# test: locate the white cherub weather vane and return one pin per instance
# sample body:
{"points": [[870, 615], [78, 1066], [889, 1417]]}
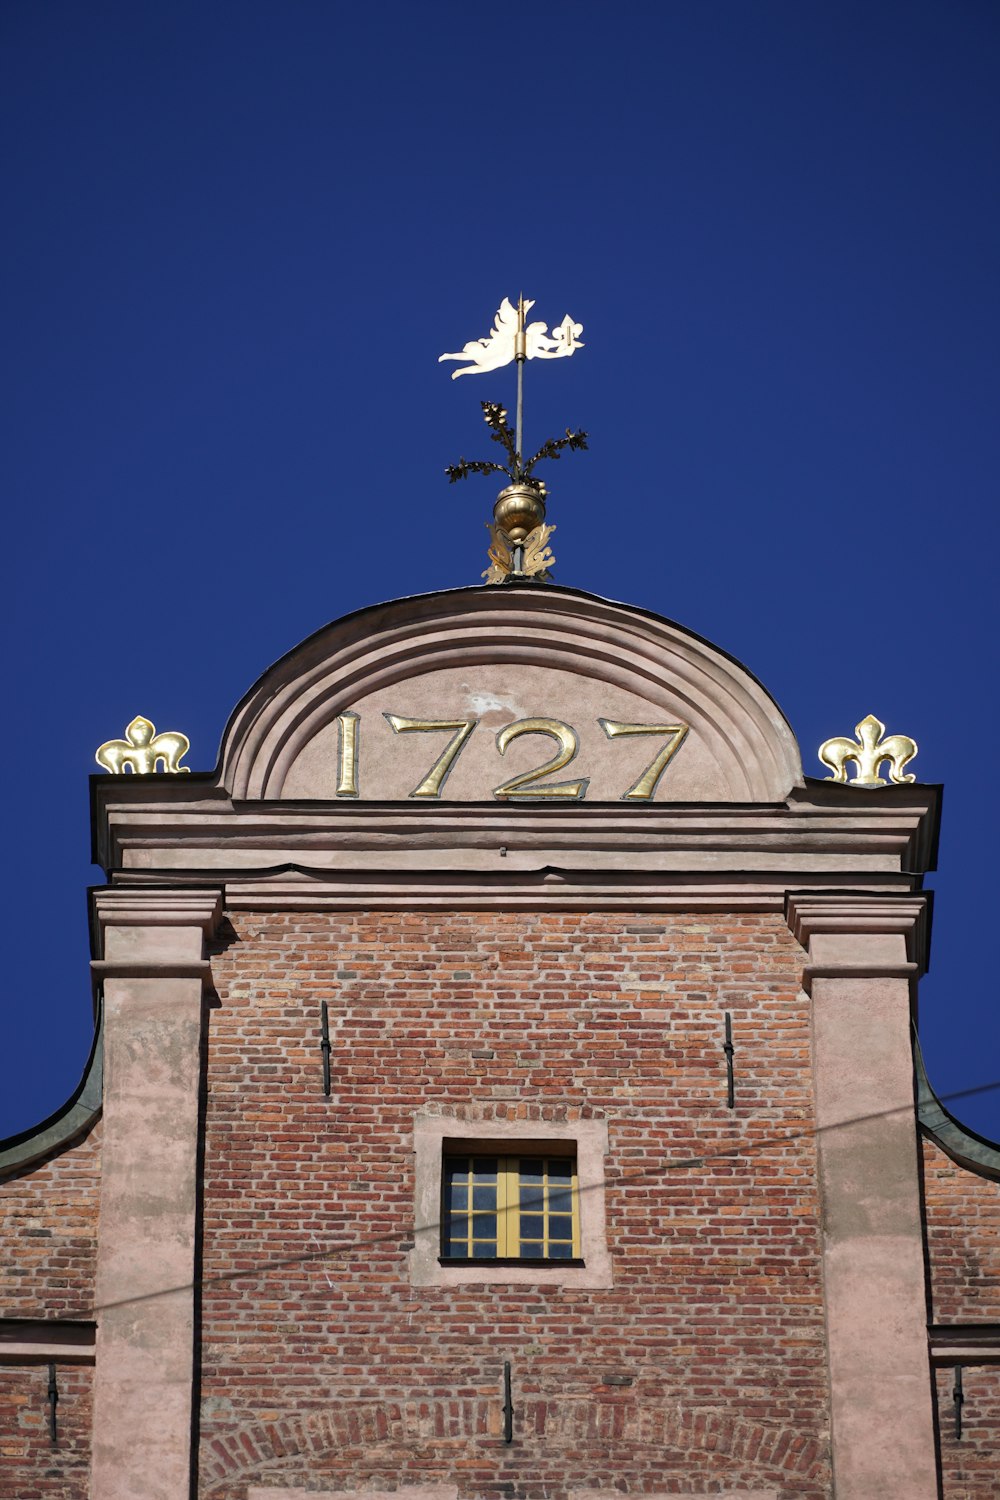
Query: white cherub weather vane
{"points": [[519, 539], [509, 337]]}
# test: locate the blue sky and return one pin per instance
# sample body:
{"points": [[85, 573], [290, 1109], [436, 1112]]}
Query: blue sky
{"points": [[237, 236]]}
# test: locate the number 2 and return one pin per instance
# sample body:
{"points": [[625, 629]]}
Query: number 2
{"points": [[527, 784]]}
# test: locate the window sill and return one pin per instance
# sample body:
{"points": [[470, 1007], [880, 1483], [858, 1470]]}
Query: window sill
{"points": [[527, 1261]]}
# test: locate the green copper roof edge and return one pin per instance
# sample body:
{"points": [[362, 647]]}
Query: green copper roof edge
{"points": [[964, 1146], [67, 1124]]}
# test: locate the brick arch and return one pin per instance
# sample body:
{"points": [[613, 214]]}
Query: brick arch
{"points": [[559, 629], [260, 1450]]}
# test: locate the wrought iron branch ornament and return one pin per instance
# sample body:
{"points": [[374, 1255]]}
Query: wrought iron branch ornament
{"points": [[518, 472], [519, 539], [868, 753]]}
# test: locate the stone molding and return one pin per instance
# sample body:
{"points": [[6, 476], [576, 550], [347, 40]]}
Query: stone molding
{"points": [[964, 1343], [160, 825], [160, 907], [967, 1149], [296, 888], [853, 913], [103, 969], [66, 1125], [39, 1341], [561, 629], [860, 934]]}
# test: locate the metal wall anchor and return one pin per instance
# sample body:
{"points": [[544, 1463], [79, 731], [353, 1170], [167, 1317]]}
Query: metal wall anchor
{"points": [[728, 1049]]}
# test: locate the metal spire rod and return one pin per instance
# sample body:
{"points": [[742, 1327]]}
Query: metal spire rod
{"points": [[520, 355]]}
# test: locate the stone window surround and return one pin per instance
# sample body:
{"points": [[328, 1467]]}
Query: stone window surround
{"points": [[431, 1135]]}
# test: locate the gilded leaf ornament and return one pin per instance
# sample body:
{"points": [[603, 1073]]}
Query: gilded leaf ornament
{"points": [[868, 753], [535, 554], [142, 748]]}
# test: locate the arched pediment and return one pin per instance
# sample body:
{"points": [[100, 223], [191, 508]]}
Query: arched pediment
{"points": [[492, 658]]}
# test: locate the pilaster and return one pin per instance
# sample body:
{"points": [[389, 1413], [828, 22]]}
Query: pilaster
{"points": [[154, 971], [864, 953]]}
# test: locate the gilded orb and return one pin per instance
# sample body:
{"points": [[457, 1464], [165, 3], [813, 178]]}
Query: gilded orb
{"points": [[518, 510]]}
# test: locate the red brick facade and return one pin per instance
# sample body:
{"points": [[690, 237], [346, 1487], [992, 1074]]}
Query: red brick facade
{"points": [[963, 1241], [963, 1247], [31, 1466], [322, 1359], [49, 1218]]}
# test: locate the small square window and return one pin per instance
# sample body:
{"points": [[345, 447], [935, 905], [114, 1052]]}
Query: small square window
{"points": [[523, 1204], [510, 1208]]}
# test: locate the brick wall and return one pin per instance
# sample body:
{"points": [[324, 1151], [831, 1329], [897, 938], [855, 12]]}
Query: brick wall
{"points": [[48, 1250], [31, 1468], [48, 1234], [970, 1466], [963, 1247], [963, 1240], [322, 1365]]}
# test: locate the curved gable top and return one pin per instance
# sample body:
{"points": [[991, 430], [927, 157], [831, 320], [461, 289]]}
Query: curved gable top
{"points": [[493, 657]]}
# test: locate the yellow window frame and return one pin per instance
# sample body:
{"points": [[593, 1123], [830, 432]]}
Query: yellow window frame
{"points": [[508, 1204]]}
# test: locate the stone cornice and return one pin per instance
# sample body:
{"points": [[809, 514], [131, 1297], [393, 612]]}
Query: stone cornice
{"points": [[162, 822], [545, 888]]}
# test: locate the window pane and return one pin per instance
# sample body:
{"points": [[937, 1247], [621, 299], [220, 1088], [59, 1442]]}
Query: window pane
{"points": [[542, 1208]]}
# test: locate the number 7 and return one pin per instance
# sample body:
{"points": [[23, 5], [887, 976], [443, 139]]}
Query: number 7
{"points": [[645, 788], [437, 775]]}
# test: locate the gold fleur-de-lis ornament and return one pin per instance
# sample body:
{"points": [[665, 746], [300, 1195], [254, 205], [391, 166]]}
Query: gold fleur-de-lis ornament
{"points": [[868, 753], [142, 748]]}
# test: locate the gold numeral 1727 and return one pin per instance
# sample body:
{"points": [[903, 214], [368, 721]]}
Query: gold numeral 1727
{"points": [[643, 789]]}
